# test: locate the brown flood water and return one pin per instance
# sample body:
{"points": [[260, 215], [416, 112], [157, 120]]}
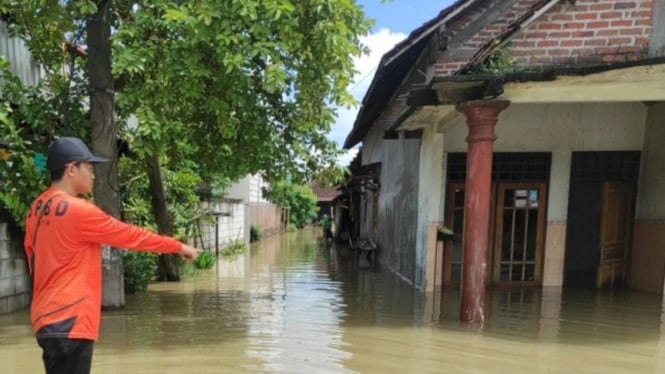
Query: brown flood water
{"points": [[293, 306]]}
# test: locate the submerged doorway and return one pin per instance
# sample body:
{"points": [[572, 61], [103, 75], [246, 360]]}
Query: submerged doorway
{"points": [[517, 228], [600, 218]]}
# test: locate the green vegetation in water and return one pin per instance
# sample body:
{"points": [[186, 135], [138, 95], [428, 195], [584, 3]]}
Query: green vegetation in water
{"points": [[255, 234], [291, 228], [188, 269], [446, 231], [205, 260], [139, 269], [234, 249]]}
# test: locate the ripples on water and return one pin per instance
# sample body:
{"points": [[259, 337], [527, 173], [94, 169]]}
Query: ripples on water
{"points": [[292, 305]]}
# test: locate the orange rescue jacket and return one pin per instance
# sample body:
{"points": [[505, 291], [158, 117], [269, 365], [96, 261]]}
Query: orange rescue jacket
{"points": [[65, 262]]}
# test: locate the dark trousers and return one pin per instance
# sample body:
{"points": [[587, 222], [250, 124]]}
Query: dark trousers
{"points": [[66, 356]]}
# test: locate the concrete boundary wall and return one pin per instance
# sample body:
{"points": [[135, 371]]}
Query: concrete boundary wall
{"points": [[14, 278], [268, 217]]}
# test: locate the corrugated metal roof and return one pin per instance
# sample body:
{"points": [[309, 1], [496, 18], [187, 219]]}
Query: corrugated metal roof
{"points": [[13, 49]]}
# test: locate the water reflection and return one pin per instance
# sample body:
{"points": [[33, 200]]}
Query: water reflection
{"points": [[296, 305]]}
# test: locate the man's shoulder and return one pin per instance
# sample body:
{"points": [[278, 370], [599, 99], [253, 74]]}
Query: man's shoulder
{"points": [[80, 203]]}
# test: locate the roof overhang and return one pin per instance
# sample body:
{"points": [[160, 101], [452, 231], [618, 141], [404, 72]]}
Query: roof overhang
{"points": [[640, 81], [395, 65]]}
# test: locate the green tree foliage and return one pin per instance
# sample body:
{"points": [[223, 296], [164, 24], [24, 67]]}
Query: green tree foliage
{"points": [[240, 86], [220, 89], [181, 182], [300, 200], [30, 117], [235, 87]]}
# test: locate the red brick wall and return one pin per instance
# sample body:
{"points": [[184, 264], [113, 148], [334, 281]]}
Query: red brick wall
{"points": [[448, 66], [589, 32]]}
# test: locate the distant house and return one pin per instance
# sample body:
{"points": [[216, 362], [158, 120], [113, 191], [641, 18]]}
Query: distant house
{"points": [[533, 129], [262, 214], [324, 198]]}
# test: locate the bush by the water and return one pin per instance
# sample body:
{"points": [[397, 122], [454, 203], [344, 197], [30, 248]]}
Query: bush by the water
{"points": [[254, 233], [140, 269], [299, 199], [234, 249], [205, 260], [291, 228]]}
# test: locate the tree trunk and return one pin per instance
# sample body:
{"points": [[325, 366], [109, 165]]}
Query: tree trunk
{"points": [[104, 143], [168, 264]]}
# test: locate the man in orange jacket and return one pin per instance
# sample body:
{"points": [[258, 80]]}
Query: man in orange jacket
{"points": [[64, 234]]}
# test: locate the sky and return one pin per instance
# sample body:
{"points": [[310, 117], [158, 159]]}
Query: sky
{"points": [[394, 20]]}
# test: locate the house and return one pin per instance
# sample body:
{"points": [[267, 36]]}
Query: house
{"points": [[14, 277], [260, 212], [532, 129], [324, 199]]}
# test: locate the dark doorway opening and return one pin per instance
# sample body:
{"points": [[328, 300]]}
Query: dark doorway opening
{"points": [[598, 233]]}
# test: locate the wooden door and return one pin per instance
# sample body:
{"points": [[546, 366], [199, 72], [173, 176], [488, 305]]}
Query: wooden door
{"points": [[519, 234], [454, 219], [615, 234], [452, 251]]}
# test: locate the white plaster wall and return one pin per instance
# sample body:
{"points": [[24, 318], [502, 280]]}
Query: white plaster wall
{"points": [[560, 129], [231, 228], [248, 189], [256, 184], [430, 194], [239, 190]]}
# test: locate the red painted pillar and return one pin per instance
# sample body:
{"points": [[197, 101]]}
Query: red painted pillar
{"points": [[481, 116]]}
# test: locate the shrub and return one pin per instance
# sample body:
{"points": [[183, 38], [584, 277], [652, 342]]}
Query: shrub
{"points": [[140, 269], [234, 249], [300, 200], [205, 260], [291, 227], [254, 234]]}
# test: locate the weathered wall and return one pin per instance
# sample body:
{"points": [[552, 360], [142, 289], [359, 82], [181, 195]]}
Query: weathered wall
{"points": [[14, 278], [649, 236], [266, 216], [398, 206], [430, 198], [560, 129]]}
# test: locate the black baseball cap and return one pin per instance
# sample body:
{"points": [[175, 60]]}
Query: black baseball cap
{"points": [[68, 149]]}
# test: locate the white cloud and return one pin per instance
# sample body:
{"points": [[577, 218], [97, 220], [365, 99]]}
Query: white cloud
{"points": [[378, 43], [348, 156]]}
